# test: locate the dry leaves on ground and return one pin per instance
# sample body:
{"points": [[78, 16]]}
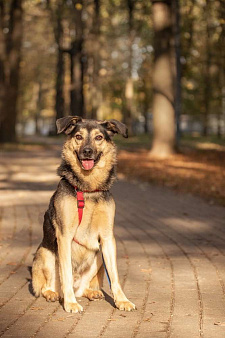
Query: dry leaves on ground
{"points": [[201, 172]]}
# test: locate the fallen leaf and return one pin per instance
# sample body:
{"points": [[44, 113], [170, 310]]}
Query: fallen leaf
{"points": [[146, 270], [219, 323], [147, 319], [12, 263], [35, 308], [122, 315]]}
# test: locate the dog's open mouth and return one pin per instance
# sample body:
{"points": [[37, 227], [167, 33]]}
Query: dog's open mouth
{"points": [[87, 164]]}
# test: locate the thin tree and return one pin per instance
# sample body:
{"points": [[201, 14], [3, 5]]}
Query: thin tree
{"points": [[206, 75], [96, 60], [221, 110], [163, 93], [56, 17], [177, 77], [59, 102], [77, 63], [129, 90], [11, 16]]}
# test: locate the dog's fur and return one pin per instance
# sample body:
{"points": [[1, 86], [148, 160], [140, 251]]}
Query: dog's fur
{"points": [[66, 268]]}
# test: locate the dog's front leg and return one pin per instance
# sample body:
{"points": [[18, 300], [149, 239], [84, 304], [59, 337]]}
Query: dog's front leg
{"points": [[66, 276], [109, 253]]}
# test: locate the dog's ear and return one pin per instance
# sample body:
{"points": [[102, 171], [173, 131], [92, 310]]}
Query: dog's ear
{"points": [[115, 127], [67, 124]]}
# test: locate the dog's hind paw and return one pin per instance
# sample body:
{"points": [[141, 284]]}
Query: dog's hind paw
{"points": [[73, 307], [125, 305], [94, 294], [50, 296]]}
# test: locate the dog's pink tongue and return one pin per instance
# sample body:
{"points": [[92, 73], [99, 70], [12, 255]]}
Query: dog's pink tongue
{"points": [[88, 164]]}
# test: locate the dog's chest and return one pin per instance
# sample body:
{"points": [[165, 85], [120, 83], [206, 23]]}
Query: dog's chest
{"points": [[87, 232]]}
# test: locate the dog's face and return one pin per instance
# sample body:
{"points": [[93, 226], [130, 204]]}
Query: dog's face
{"points": [[90, 139]]}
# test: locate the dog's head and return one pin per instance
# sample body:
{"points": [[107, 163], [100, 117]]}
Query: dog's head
{"points": [[90, 140]]}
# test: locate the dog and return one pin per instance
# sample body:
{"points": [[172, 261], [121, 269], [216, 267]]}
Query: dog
{"points": [[77, 238]]}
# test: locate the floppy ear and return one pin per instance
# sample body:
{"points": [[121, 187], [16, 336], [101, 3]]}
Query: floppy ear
{"points": [[115, 127], [67, 124]]}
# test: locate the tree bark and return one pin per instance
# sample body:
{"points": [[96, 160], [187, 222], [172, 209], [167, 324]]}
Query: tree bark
{"points": [[77, 65], [96, 60], [59, 100], [129, 90], [177, 79], [222, 71], [9, 71], [2, 59], [163, 93], [56, 17], [207, 79]]}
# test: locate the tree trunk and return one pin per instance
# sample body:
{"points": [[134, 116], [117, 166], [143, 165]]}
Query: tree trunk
{"points": [[77, 66], [56, 17], [221, 118], [129, 90], [96, 61], [163, 97], [177, 79], [2, 59], [10, 73], [207, 80], [59, 100]]}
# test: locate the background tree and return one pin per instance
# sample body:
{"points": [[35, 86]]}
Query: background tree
{"points": [[95, 58], [56, 10], [163, 99], [177, 68], [129, 89], [77, 59], [11, 14]]}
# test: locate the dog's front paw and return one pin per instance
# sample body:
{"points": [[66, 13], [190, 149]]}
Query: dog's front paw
{"points": [[125, 305], [73, 307]]}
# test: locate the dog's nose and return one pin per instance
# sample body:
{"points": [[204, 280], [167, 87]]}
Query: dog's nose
{"points": [[87, 152]]}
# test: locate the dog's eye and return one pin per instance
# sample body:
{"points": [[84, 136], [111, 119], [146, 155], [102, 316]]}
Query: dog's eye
{"points": [[79, 137], [99, 137]]}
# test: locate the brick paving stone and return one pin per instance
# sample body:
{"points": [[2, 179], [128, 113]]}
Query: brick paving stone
{"points": [[171, 260]]}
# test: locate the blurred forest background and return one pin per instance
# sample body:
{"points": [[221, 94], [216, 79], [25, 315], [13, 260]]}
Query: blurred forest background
{"points": [[158, 66], [96, 59]]}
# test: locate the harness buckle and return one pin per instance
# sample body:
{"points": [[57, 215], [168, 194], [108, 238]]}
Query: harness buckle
{"points": [[80, 204]]}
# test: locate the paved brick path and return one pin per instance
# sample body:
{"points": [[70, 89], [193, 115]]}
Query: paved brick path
{"points": [[171, 258]]}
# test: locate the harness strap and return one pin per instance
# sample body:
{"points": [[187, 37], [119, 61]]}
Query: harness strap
{"points": [[80, 204], [80, 207]]}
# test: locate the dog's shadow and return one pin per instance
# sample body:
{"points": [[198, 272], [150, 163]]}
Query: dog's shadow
{"points": [[30, 288], [108, 298]]}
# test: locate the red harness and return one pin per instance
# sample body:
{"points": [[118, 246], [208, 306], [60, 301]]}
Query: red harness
{"points": [[80, 206]]}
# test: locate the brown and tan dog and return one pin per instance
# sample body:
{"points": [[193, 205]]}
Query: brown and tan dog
{"points": [[68, 262]]}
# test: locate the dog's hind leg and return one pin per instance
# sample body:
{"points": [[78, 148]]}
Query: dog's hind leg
{"points": [[94, 291], [44, 275], [97, 281], [92, 280]]}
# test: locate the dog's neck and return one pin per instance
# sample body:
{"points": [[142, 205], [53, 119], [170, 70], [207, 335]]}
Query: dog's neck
{"points": [[101, 177], [65, 171]]}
